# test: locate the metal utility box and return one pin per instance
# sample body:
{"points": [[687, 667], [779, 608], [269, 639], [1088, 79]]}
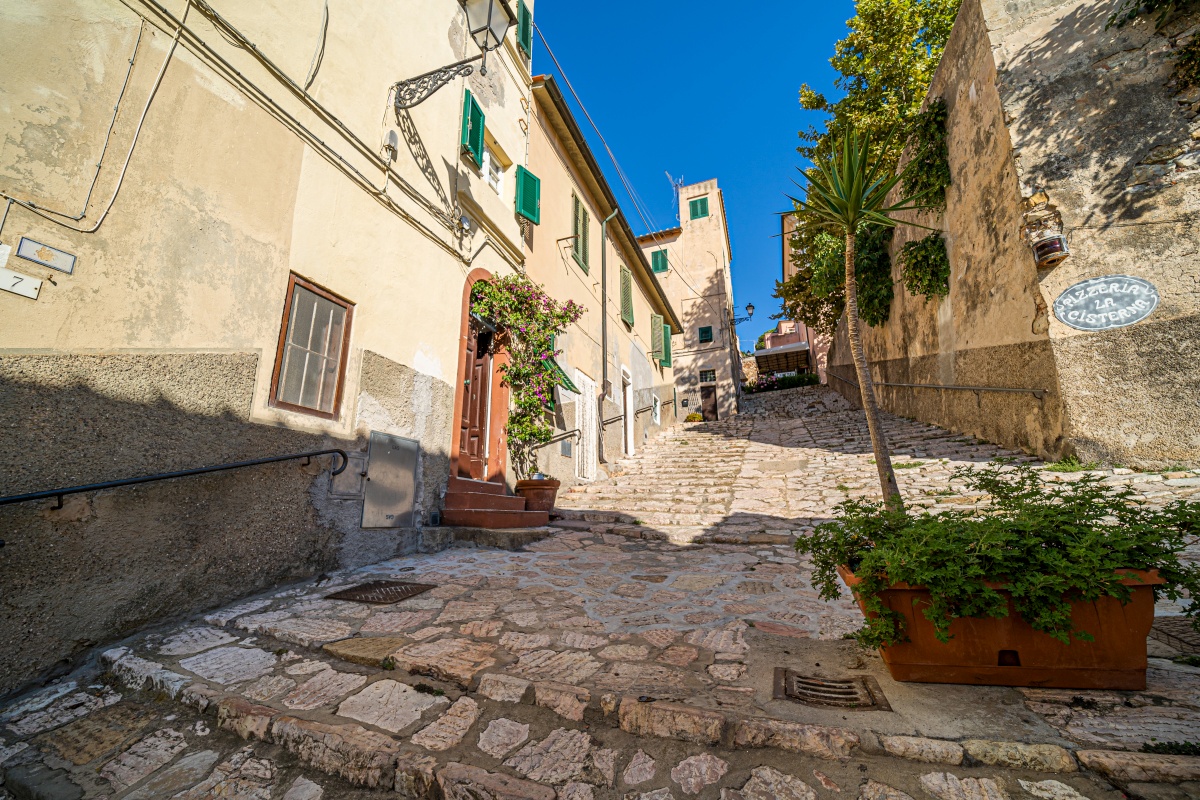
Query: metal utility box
{"points": [[391, 482]]}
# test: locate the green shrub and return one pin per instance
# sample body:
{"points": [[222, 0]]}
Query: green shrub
{"points": [[1070, 464], [1046, 544], [694, 417], [926, 267], [931, 155]]}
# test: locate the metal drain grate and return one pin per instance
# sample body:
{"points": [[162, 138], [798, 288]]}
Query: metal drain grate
{"points": [[1178, 633], [381, 592], [853, 694]]}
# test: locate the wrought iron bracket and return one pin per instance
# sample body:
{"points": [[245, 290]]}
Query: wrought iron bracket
{"points": [[415, 91]]}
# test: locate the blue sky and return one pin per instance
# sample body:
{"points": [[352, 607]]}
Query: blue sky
{"points": [[723, 80]]}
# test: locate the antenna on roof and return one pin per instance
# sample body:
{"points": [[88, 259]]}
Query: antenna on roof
{"points": [[676, 185]]}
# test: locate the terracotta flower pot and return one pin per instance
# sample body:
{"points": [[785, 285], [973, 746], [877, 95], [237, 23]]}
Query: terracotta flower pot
{"points": [[539, 494], [1007, 651]]}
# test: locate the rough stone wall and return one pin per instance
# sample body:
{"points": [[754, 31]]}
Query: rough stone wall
{"points": [[1042, 98]]}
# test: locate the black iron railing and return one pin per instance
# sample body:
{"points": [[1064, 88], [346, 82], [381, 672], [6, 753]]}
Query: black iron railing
{"points": [[95, 487]]}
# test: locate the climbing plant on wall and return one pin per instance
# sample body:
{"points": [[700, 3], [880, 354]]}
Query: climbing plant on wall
{"points": [[926, 267], [1187, 58], [930, 174], [818, 291]]}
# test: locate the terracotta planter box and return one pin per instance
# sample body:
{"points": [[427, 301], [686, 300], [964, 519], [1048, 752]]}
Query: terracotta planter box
{"points": [[539, 494], [1008, 652]]}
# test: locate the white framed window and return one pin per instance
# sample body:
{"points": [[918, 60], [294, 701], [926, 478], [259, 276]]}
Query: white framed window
{"points": [[495, 166]]}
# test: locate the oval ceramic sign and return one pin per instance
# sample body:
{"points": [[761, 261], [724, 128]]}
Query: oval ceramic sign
{"points": [[1100, 304]]}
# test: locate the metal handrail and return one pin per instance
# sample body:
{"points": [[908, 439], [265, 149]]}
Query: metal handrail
{"points": [[95, 487], [1038, 393], [560, 437], [644, 409], [606, 422]]}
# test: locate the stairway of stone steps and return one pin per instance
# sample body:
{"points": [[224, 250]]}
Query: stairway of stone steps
{"points": [[678, 488]]}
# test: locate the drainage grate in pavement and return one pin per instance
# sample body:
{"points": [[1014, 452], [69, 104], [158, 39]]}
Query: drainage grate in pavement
{"points": [[1178, 633], [852, 694], [381, 592]]}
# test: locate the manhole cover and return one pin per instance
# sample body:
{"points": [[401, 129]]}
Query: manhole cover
{"points": [[381, 592], [852, 694], [1178, 633]]}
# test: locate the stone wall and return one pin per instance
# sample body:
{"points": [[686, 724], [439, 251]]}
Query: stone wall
{"points": [[1042, 98], [111, 562]]}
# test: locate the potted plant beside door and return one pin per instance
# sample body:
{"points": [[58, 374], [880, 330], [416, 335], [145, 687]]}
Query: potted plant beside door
{"points": [[1049, 585], [527, 321]]}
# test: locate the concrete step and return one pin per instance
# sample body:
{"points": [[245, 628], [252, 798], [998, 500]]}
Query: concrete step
{"points": [[493, 519], [480, 501]]}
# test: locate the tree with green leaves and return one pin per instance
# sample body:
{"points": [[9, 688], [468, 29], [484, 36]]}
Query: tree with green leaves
{"points": [[847, 192]]}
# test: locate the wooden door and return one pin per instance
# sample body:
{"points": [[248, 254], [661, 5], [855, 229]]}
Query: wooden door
{"points": [[708, 403], [472, 443]]}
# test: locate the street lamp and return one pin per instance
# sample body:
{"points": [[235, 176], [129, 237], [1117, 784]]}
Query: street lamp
{"points": [[749, 315], [488, 21]]}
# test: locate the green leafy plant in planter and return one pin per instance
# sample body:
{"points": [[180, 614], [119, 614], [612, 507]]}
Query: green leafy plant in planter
{"points": [[527, 321], [1045, 544]]}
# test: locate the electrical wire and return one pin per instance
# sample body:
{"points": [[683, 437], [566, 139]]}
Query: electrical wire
{"points": [[319, 55]]}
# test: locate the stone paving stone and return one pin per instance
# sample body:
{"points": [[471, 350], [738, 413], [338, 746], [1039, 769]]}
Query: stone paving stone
{"points": [[389, 705], [139, 673], [183, 774], [1037, 757], [226, 665], [679, 655], [502, 736], [671, 721], [576, 791], [62, 711], [720, 640], [874, 790], [268, 687], [323, 689], [194, 640], [916, 748], [453, 660], [100, 734], [654, 678], [240, 777], [360, 756], [1141, 766], [1051, 790], [248, 720], [581, 641], [395, 621], [515, 642], [826, 781], [370, 651], [38, 700], [450, 729], [304, 789], [770, 784], [481, 629], [458, 611], [640, 769], [8, 751], [143, 757], [550, 665], [693, 774], [727, 672], [428, 633], [660, 637], [779, 629], [504, 688], [308, 632], [561, 698], [463, 782], [37, 780], [657, 794], [225, 616], [305, 667], [945, 786], [564, 755], [624, 652], [795, 737], [416, 777]]}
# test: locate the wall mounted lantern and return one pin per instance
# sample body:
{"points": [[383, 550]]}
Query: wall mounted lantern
{"points": [[1043, 231], [488, 21], [749, 315]]}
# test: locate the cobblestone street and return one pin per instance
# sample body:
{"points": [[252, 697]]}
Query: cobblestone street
{"points": [[631, 653]]}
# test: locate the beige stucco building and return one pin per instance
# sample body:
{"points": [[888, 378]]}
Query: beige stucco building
{"points": [[1094, 356], [693, 263], [583, 249], [272, 258]]}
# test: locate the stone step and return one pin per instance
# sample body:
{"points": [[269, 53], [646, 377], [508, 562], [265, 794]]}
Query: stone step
{"points": [[493, 518]]}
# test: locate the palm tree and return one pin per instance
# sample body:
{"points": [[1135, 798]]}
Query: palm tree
{"points": [[848, 190]]}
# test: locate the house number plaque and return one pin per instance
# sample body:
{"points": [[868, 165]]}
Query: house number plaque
{"points": [[1101, 304]]}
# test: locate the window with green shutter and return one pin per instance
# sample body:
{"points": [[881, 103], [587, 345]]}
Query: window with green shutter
{"points": [[706, 335], [666, 358], [627, 296], [524, 28], [472, 129], [529, 195], [698, 207], [658, 261], [656, 335], [582, 221]]}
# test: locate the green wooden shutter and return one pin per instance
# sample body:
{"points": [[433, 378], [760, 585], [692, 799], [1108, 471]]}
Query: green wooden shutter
{"points": [[524, 28], [579, 229], [472, 129], [584, 226], [658, 261], [656, 335], [666, 359], [627, 296], [529, 195], [698, 207]]}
